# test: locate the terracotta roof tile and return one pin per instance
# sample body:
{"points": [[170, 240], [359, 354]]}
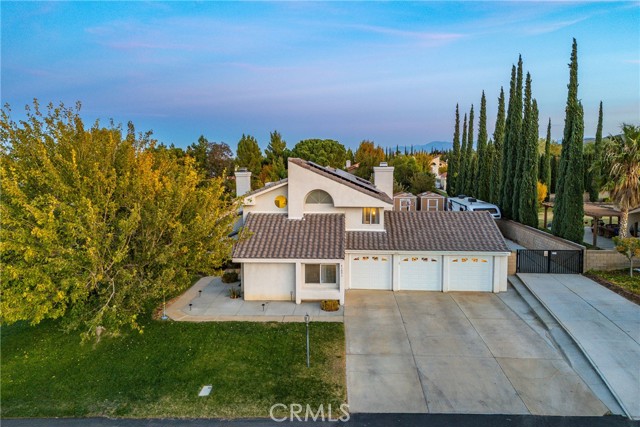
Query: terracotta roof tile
{"points": [[317, 236]]}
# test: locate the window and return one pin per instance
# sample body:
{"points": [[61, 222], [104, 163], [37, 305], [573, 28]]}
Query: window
{"points": [[319, 197], [405, 204], [432, 204], [320, 273], [370, 215], [280, 201]]}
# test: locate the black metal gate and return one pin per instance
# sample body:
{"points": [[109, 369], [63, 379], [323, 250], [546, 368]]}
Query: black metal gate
{"points": [[549, 261]]}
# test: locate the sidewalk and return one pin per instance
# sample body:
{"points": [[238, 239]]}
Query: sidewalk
{"points": [[603, 324], [208, 301]]}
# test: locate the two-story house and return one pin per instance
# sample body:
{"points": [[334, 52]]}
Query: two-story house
{"points": [[322, 231]]}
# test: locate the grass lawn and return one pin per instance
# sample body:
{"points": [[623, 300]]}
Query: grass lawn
{"points": [[620, 278], [47, 373]]}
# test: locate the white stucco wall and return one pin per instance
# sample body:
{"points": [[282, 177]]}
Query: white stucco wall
{"points": [[264, 202], [268, 281]]}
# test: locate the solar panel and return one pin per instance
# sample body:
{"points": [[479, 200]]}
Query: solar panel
{"points": [[347, 176]]}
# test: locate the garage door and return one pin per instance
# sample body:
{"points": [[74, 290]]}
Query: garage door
{"points": [[471, 273], [370, 271], [420, 273]]}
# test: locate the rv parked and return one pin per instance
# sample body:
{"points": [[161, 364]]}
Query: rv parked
{"points": [[464, 203]]}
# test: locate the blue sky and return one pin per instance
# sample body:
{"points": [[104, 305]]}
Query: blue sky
{"points": [[391, 72]]}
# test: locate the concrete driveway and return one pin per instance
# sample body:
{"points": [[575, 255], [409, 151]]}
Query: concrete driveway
{"points": [[454, 353]]}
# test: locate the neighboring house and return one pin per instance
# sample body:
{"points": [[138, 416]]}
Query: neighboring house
{"points": [[430, 201], [404, 202], [441, 179], [323, 230]]}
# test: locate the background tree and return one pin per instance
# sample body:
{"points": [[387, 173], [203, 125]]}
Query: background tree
{"points": [[545, 166], [198, 150], [629, 247], [484, 164], [249, 155], [325, 152], [512, 133], [405, 167], [595, 169], [219, 160], [470, 165], [276, 155], [568, 209], [520, 149], [462, 164], [422, 181], [498, 142], [367, 156], [528, 209], [454, 159], [621, 170], [96, 227]]}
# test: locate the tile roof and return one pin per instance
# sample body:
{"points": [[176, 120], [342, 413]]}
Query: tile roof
{"points": [[345, 178], [432, 231], [316, 236]]}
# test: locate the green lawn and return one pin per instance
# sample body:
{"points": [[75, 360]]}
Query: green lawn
{"points": [[47, 373], [620, 278]]}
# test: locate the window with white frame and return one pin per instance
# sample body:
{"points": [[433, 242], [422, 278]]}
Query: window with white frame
{"points": [[371, 215], [432, 204], [405, 204], [320, 273]]}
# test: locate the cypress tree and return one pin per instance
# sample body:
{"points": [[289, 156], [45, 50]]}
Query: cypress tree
{"points": [[469, 176], [454, 160], [519, 149], [568, 210], [462, 164], [545, 169], [484, 166], [554, 174], [528, 209], [496, 158], [597, 172], [506, 187]]}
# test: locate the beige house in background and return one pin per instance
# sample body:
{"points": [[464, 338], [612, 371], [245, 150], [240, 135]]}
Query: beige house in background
{"points": [[323, 231]]}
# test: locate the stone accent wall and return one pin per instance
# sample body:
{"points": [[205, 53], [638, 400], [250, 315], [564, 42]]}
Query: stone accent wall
{"points": [[512, 263], [532, 238], [606, 260]]}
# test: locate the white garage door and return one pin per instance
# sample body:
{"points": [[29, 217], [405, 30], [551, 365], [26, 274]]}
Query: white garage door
{"points": [[471, 273], [370, 271], [421, 273]]}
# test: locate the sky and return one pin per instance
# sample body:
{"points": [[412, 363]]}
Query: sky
{"points": [[389, 72]]}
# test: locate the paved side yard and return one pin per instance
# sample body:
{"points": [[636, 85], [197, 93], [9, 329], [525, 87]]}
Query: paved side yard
{"points": [[605, 325], [454, 353]]}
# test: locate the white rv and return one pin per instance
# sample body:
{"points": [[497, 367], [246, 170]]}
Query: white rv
{"points": [[464, 203]]}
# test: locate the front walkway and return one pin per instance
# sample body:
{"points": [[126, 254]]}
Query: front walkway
{"points": [[605, 326], [454, 352], [208, 300]]}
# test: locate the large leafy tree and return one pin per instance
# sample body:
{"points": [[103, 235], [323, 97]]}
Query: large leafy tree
{"points": [[484, 164], [405, 168], [454, 159], [325, 152], [621, 166], [96, 226], [497, 151], [367, 156], [249, 155], [568, 210]]}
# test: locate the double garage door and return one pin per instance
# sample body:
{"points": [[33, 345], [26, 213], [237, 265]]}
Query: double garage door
{"points": [[422, 272]]}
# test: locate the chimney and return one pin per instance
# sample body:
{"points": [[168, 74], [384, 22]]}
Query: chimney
{"points": [[383, 178], [243, 181]]}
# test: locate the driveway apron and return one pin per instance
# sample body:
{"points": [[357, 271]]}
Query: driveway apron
{"points": [[454, 353]]}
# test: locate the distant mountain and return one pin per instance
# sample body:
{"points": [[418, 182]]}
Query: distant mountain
{"points": [[428, 147]]}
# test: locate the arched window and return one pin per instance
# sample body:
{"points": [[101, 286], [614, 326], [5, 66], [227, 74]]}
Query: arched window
{"points": [[319, 197]]}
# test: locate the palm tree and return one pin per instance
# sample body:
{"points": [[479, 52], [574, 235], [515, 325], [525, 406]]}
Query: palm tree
{"points": [[621, 163]]}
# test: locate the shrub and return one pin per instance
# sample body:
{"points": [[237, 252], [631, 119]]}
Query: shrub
{"points": [[330, 305], [229, 277]]}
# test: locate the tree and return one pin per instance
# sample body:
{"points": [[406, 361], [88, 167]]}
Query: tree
{"points": [[325, 152], [276, 159], [469, 174], [629, 247], [484, 165], [520, 147], [405, 167], [422, 181], [249, 155], [568, 210], [498, 142], [198, 150], [367, 156], [512, 133], [545, 169], [454, 160], [596, 171], [621, 167], [462, 164], [219, 160], [528, 209], [542, 192], [95, 226], [276, 149]]}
